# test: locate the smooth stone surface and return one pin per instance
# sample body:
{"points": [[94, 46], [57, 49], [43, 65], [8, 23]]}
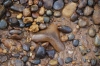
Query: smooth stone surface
{"points": [[13, 21], [42, 11], [23, 1], [90, 2], [2, 11], [82, 3], [7, 3], [65, 29], [34, 8], [17, 7], [82, 23], [97, 40], [46, 19], [80, 12], [49, 12], [74, 17], [36, 61], [40, 52], [15, 31], [51, 53], [96, 13], [71, 36], [60, 61], [42, 26], [69, 9], [26, 12], [92, 32], [58, 5], [75, 43], [3, 24], [68, 60], [48, 3], [21, 23], [25, 58], [26, 47], [57, 13], [3, 58], [27, 19], [88, 11], [53, 62]]}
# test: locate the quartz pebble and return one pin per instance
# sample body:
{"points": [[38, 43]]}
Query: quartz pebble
{"points": [[88, 11], [82, 23], [27, 19], [92, 32], [53, 62], [34, 8]]}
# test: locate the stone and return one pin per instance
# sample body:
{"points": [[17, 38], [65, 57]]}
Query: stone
{"points": [[69, 9], [34, 8], [23, 1], [71, 36], [3, 58], [7, 3], [97, 40], [21, 23], [3, 24], [27, 19], [82, 23], [92, 32], [80, 12], [96, 14], [68, 60], [57, 13], [26, 47], [82, 3], [26, 12], [90, 2], [53, 62], [18, 7], [83, 49], [88, 11], [42, 11], [64, 38], [58, 5], [39, 19], [2, 11], [74, 17], [34, 28], [93, 62], [60, 61], [46, 19], [75, 42], [48, 3], [36, 61], [25, 58], [19, 16], [42, 26], [49, 12], [51, 53]]}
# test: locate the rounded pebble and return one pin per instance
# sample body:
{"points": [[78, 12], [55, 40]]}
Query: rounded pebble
{"points": [[71, 36], [34, 8], [26, 47], [92, 32], [46, 19], [25, 58], [49, 12], [36, 61], [75, 43], [57, 13], [3, 24], [68, 60]]}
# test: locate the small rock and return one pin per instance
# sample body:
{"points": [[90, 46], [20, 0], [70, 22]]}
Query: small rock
{"points": [[7, 3], [34, 8], [46, 19], [82, 23], [25, 58], [80, 12], [83, 50], [49, 12], [40, 3], [21, 23], [42, 26], [39, 19], [60, 61], [15, 31], [34, 28], [19, 16], [75, 43], [36, 61], [8, 13], [18, 62], [16, 55], [26, 47], [53, 62], [48, 3], [35, 15], [42, 11], [92, 32], [51, 53], [68, 60], [23, 1], [2, 11], [18, 7], [3, 24], [96, 14], [69, 9], [64, 38], [28, 64], [58, 5], [74, 17], [82, 3], [97, 40], [30, 2], [90, 2], [26, 12], [27, 19], [57, 13], [93, 62], [65, 29], [3, 58], [71, 36], [40, 52], [13, 21], [88, 11]]}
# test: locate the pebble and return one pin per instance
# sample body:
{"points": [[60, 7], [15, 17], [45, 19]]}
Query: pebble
{"points": [[21, 23], [7, 3], [65, 29], [3, 58], [97, 40], [1, 1], [34, 8], [16, 55], [35, 15], [80, 12], [46, 19], [88, 11], [40, 3], [49, 12], [51, 53], [74, 17], [27, 19], [90, 2], [82, 23], [64, 38], [83, 49], [36, 61], [28, 64], [58, 5], [19, 16], [8, 13], [92, 32], [82, 3], [13, 21], [23, 1], [18, 62], [42, 11], [18, 7], [96, 14], [57, 13], [3, 24], [15, 31], [2, 11], [30, 2], [26, 47], [60, 61], [69, 9], [71, 36], [26, 12], [93, 62], [25, 58], [34, 28], [42, 26], [53, 62], [48, 4], [68, 60], [75, 42], [40, 52]]}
